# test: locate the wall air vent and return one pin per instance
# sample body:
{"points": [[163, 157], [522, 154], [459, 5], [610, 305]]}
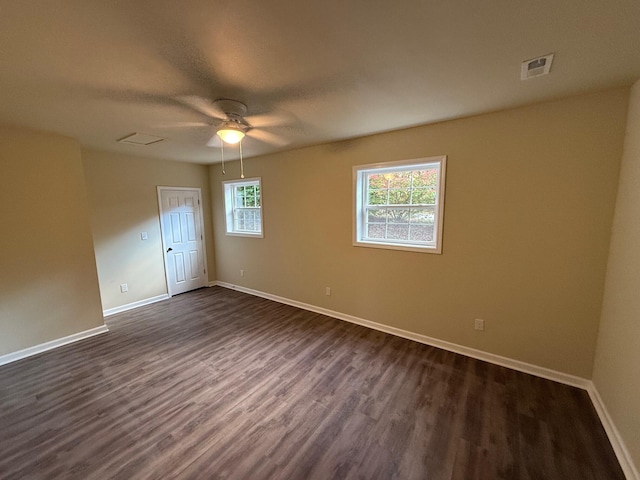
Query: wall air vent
{"points": [[536, 67], [140, 139]]}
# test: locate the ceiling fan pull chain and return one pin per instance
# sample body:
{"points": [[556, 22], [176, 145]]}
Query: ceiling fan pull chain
{"points": [[223, 172], [241, 164]]}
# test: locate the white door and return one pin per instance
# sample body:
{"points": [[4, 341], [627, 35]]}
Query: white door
{"points": [[182, 239]]}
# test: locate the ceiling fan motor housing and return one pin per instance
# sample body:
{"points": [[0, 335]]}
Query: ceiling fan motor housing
{"points": [[232, 108]]}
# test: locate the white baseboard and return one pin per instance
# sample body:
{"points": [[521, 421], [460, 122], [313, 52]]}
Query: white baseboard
{"points": [[130, 306], [43, 347], [617, 443], [624, 457], [543, 372], [616, 440]]}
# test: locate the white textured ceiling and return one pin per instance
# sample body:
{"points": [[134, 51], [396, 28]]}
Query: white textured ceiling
{"points": [[98, 70]]}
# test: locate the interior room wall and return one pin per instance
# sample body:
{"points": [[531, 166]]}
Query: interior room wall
{"points": [[48, 280], [617, 365], [123, 203], [530, 194]]}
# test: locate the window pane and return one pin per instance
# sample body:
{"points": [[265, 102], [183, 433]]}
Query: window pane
{"points": [[399, 196], [241, 196], [253, 194], [376, 181], [247, 220], [425, 178], [248, 196], [377, 197], [249, 223], [423, 215], [399, 180], [421, 233], [376, 231], [376, 216], [397, 232], [398, 215], [422, 196]]}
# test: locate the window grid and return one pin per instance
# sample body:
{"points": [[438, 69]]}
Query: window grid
{"points": [[246, 219], [243, 205], [246, 208], [407, 227], [399, 205]]}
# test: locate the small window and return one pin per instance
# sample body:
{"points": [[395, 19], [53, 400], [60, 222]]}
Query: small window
{"points": [[243, 206], [400, 205]]}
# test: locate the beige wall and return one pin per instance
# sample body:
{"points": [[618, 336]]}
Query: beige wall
{"points": [[48, 281], [617, 365], [123, 202], [529, 199]]}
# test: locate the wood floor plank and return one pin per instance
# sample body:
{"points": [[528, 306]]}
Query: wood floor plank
{"points": [[217, 384]]}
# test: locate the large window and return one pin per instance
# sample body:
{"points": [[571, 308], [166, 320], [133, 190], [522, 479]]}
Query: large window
{"points": [[243, 205], [399, 205]]}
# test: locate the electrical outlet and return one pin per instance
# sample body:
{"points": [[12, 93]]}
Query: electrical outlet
{"points": [[327, 291], [241, 273], [479, 324], [124, 288]]}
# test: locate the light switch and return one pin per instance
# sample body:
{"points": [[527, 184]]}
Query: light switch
{"points": [[144, 236]]}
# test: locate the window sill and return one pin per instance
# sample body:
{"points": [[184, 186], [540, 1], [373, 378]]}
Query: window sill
{"points": [[242, 234], [437, 249]]}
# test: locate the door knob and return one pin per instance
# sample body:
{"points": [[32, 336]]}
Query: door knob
{"points": [[169, 249]]}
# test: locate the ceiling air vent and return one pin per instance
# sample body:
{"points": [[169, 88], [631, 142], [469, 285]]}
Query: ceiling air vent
{"points": [[140, 139], [536, 67]]}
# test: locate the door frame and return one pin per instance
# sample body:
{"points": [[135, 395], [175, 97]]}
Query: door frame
{"points": [[160, 189]]}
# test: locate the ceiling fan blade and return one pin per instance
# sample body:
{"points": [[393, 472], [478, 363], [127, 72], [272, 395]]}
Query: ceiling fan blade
{"points": [[182, 125], [267, 120], [203, 106], [268, 137]]}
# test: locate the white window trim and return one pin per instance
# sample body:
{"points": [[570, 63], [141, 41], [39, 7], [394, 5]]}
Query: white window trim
{"points": [[227, 189], [358, 194]]}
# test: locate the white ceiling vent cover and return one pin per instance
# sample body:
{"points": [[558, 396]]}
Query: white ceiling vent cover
{"points": [[536, 67]]}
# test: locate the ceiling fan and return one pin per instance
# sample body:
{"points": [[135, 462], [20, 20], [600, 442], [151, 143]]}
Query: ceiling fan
{"points": [[232, 124]]}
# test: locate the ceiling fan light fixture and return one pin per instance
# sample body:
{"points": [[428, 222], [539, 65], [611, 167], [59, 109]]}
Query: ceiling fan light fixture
{"points": [[230, 132]]}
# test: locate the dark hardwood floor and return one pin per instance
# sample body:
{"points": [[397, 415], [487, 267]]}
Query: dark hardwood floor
{"points": [[219, 384]]}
